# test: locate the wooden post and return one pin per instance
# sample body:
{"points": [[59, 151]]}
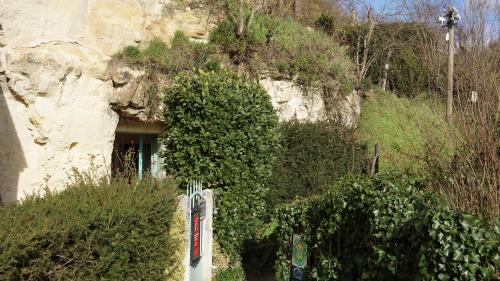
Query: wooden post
{"points": [[451, 46], [374, 168], [297, 8], [1, 36]]}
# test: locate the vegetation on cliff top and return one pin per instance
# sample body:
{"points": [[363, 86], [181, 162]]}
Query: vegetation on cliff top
{"points": [[182, 54], [278, 47], [284, 48]]}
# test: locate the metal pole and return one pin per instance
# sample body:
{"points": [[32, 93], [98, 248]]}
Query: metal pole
{"points": [[141, 155], [451, 45], [154, 157]]}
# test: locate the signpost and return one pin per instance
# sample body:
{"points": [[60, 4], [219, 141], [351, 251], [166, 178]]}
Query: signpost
{"points": [[195, 236], [197, 213], [198, 204], [299, 258]]}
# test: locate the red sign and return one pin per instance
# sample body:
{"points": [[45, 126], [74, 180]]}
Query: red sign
{"points": [[195, 236]]}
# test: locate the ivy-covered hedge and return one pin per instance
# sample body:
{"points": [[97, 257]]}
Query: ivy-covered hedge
{"points": [[386, 229], [222, 129], [105, 231], [313, 156]]}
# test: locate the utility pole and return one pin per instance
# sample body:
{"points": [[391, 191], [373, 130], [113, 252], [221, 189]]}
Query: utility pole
{"points": [[298, 5], [450, 18], [451, 47]]}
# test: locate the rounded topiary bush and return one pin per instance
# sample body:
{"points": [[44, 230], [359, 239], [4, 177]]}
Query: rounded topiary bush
{"points": [[222, 129]]}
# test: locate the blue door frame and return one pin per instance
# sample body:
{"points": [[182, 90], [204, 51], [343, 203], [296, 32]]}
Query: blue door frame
{"points": [[154, 155]]}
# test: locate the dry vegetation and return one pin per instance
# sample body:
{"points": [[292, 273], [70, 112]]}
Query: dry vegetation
{"points": [[470, 180], [469, 176]]}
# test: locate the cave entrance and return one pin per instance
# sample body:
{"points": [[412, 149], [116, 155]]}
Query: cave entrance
{"points": [[135, 149]]}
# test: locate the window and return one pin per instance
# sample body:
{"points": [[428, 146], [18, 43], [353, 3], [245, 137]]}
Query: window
{"points": [[139, 150]]}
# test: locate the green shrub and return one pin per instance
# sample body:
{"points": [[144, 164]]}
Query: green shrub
{"points": [[386, 229], [231, 274], [312, 156], [239, 48], [132, 54], [186, 55], [181, 55], [310, 55], [156, 52], [222, 129], [326, 23], [105, 231], [407, 75]]}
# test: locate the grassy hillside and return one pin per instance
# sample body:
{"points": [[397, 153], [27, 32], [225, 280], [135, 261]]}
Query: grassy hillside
{"points": [[401, 127]]}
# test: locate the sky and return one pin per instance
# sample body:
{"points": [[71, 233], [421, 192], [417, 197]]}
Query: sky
{"points": [[492, 19], [380, 4]]}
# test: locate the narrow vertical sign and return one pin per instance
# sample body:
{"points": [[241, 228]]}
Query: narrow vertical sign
{"points": [[195, 236], [299, 258], [299, 252]]}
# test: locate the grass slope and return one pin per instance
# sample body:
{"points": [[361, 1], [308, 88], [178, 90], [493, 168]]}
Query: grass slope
{"points": [[401, 127]]}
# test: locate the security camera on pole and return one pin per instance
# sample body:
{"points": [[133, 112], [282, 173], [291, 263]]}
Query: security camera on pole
{"points": [[449, 18]]}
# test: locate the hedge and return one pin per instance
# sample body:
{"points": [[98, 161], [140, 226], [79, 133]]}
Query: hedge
{"points": [[222, 129], [104, 231], [311, 157], [386, 229]]}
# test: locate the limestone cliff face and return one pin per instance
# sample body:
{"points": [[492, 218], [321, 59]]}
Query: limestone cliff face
{"points": [[61, 99], [292, 102], [56, 90]]}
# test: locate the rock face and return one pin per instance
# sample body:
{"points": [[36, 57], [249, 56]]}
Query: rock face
{"points": [[57, 95], [291, 102], [60, 97]]}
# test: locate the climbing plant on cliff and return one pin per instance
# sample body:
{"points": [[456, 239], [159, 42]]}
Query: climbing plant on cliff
{"points": [[222, 129]]}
